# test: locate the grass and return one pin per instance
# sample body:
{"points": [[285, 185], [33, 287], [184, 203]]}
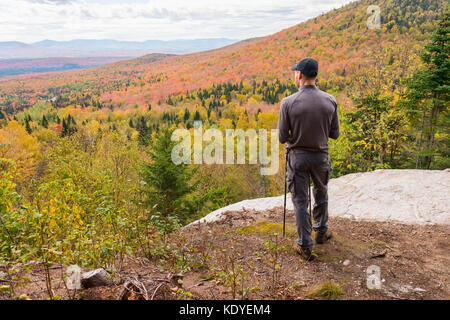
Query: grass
{"points": [[327, 291], [266, 228], [354, 246], [328, 254], [379, 243], [297, 286]]}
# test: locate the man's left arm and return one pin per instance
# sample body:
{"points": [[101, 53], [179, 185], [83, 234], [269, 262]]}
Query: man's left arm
{"points": [[334, 130]]}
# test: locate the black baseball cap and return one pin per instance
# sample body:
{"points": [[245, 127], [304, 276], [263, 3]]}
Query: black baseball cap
{"points": [[308, 66]]}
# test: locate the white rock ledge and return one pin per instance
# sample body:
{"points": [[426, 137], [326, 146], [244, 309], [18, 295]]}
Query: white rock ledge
{"points": [[407, 196]]}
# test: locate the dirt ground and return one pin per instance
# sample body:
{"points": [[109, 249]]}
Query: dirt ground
{"points": [[244, 256]]}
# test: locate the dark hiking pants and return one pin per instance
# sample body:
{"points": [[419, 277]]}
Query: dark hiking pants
{"points": [[302, 166]]}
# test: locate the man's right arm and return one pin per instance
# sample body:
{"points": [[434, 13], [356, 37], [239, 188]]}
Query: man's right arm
{"points": [[283, 124]]}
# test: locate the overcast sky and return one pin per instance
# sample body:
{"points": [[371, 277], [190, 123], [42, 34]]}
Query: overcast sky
{"points": [[139, 20]]}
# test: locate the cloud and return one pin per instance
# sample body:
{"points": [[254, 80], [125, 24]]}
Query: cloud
{"points": [[52, 1], [138, 20]]}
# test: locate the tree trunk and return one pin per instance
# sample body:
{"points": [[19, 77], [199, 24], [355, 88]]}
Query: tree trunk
{"points": [[433, 125], [420, 139]]}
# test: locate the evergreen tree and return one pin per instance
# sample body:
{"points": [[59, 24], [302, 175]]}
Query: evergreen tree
{"points": [[44, 121], [171, 190], [27, 125], [64, 128], [427, 98], [166, 184], [186, 115], [144, 132]]}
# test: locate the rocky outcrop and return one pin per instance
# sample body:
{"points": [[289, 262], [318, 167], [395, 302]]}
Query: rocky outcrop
{"points": [[408, 196]]}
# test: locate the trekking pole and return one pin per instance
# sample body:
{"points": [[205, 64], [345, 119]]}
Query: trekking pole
{"points": [[309, 196], [285, 194]]}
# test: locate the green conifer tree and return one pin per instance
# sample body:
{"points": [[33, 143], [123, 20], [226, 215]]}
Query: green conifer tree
{"points": [[428, 97], [27, 126], [170, 189]]}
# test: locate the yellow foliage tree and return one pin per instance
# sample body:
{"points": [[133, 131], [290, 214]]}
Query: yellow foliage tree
{"points": [[22, 148]]}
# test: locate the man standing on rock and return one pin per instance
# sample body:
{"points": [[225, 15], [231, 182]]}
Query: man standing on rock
{"points": [[307, 119]]}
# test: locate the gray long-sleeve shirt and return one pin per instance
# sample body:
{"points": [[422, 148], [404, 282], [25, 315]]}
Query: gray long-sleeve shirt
{"points": [[307, 119]]}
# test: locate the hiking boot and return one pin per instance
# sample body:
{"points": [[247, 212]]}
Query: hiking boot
{"points": [[305, 253], [321, 238]]}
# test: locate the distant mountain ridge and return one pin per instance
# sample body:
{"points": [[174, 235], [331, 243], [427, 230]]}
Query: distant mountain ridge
{"points": [[82, 48], [11, 67]]}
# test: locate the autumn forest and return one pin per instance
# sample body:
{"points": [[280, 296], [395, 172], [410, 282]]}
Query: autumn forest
{"points": [[85, 170]]}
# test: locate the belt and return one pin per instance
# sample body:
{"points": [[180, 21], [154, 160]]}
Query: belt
{"points": [[306, 151]]}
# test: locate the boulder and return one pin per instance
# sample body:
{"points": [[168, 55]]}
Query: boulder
{"points": [[96, 278], [407, 196]]}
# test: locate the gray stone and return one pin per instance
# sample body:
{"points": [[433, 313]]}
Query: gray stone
{"points": [[96, 278], [408, 196]]}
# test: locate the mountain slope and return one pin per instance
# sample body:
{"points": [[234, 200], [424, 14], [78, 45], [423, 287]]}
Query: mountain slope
{"points": [[339, 39]]}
